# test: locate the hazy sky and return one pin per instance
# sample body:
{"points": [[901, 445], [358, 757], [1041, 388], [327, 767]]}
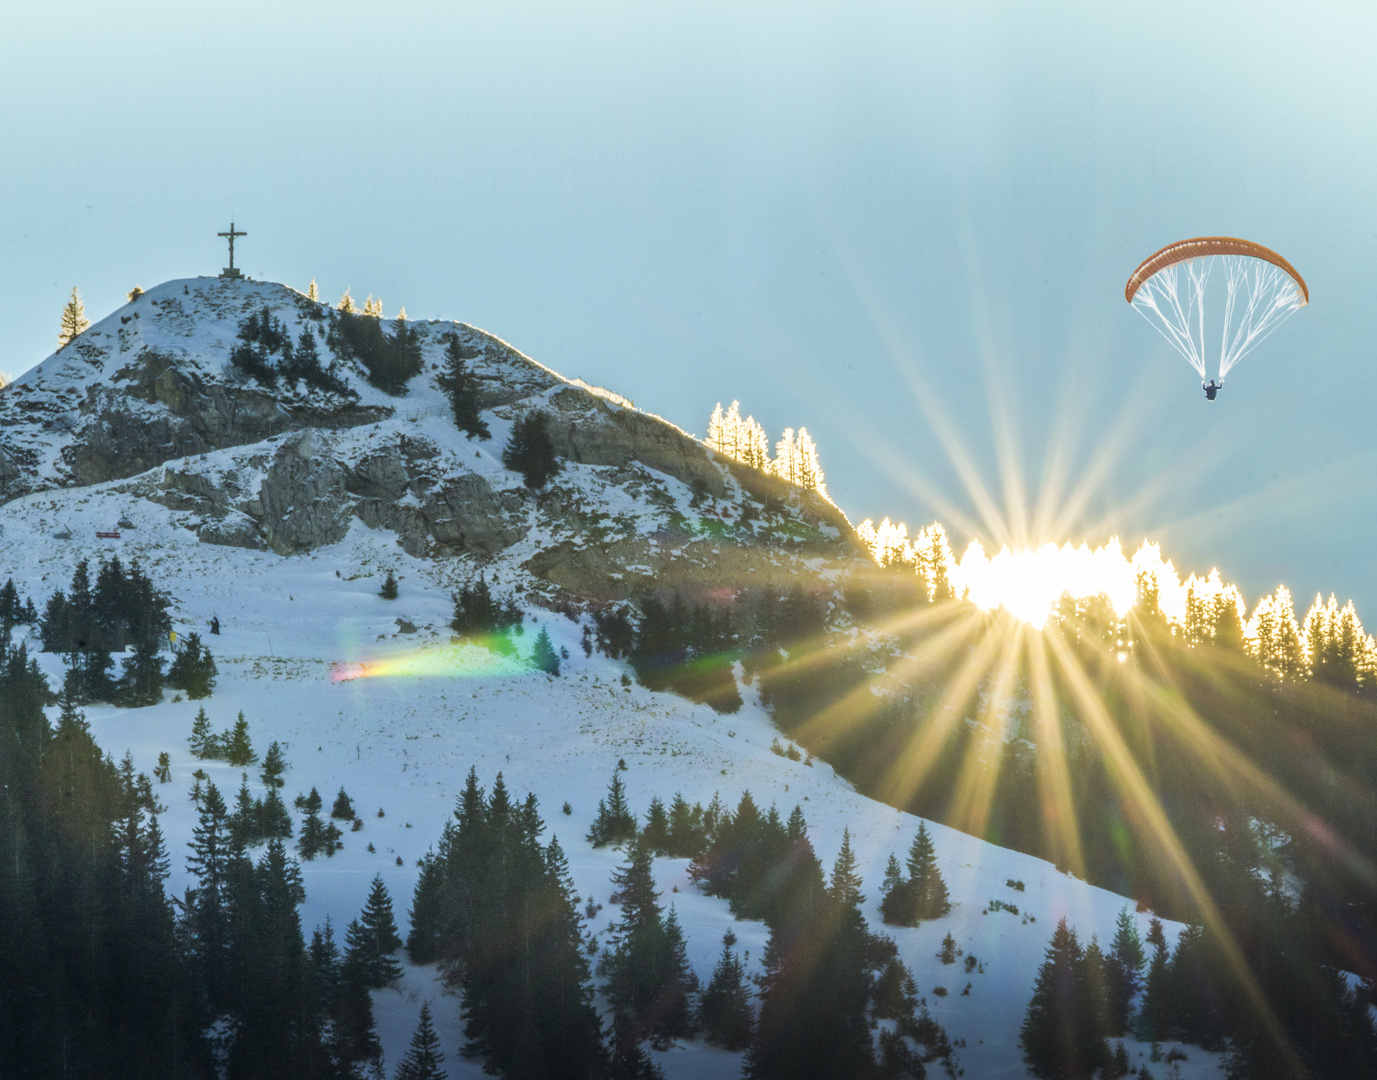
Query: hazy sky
{"points": [[904, 226]]}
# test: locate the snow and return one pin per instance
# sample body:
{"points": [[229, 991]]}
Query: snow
{"points": [[402, 740]]}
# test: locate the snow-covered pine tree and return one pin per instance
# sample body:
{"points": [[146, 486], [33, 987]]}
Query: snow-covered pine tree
{"points": [[74, 320], [809, 469], [313, 292], [785, 464], [716, 440], [346, 304], [935, 561]]}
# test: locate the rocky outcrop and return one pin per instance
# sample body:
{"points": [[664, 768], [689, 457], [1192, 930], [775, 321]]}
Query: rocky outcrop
{"points": [[432, 513], [302, 503], [158, 410], [587, 429]]}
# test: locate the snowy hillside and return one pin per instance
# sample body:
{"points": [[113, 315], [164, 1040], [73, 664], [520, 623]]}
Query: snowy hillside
{"points": [[281, 513]]}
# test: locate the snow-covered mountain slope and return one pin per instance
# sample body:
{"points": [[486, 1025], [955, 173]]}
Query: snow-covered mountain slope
{"points": [[148, 395], [374, 696]]}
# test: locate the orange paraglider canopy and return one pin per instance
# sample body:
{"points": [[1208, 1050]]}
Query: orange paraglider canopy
{"points": [[1185, 250]]}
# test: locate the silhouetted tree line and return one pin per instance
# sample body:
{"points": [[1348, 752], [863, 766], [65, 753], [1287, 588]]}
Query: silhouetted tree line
{"points": [[495, 907], [266, 354], [13, 611], [1228, 753], [389, 361], [478, 614], [691, 647], [102, 975], [121, 611], [1085, 996]]}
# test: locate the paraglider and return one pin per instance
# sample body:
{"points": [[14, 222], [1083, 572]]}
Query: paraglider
{"points": [[1262, 290]]}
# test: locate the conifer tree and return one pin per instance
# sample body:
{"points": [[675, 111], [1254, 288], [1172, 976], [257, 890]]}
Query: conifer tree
{"points": [[74, 320], [935, 561], [809, 468], [615, 823], [204, 743], [717, 437], [346, 305], [649, 982], [1124, 966], [424, 1057], [1155, 1013], [460, 386], [238, 749], [687, 833], [343, 808], [724, 1012], [926, 890], [142, 675], [895, 904], [379, 937], [389, 587], [274, 822], [543, 655], [211, 849], [193, 668], [786, 463], [655, 834], [314, 838], [313, 292], [530, 450], [244, 821], [274, 765], [1059, 1035]]}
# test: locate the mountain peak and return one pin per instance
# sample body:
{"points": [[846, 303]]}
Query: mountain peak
{"points": [[149, 403]]}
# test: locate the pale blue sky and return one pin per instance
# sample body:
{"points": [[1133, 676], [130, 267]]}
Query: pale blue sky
{"points": [[851, 216]]}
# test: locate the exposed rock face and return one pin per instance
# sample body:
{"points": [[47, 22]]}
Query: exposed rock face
{"points": [[303, 500], [165, 412], [587, 429], [446, 516]]}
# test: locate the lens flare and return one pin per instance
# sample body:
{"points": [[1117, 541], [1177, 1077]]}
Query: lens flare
{"points": [[471, 658]]}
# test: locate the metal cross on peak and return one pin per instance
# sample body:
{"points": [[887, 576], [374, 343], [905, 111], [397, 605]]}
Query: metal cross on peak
{"points": [[230, 271]]}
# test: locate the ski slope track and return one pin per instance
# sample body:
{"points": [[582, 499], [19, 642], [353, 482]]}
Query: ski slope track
{"points": [[281, 512]]}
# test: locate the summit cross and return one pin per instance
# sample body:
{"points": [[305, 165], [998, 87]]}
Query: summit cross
{"points": [[230, 271]]}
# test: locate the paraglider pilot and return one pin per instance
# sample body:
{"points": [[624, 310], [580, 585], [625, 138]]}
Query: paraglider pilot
{"points": [[1212, 388]]}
